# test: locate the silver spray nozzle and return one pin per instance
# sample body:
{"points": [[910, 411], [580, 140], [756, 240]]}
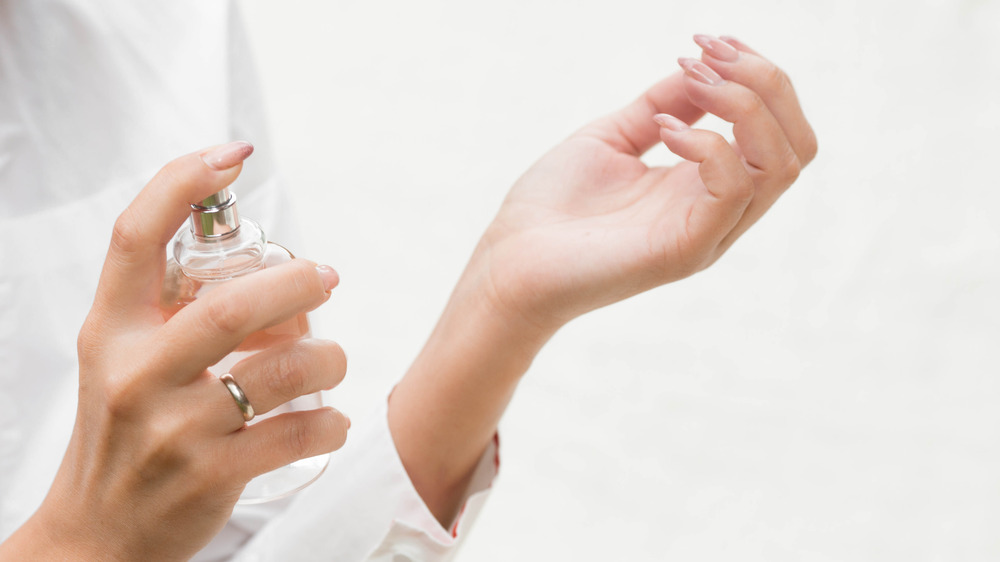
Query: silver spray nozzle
{"points": [[215, 216]]}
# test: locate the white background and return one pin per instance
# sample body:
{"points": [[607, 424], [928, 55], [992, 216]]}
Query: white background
{"points": [[827, 391]]}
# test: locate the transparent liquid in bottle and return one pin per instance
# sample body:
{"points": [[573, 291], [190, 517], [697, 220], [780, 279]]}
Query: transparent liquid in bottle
{"points": [[181, 289]]}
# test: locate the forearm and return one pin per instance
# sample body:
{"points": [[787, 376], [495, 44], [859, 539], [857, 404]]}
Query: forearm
{"points": [[587, 226], [445, 411]]}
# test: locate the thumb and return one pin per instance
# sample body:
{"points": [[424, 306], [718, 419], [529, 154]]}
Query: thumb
{"points": [[133, 270]]}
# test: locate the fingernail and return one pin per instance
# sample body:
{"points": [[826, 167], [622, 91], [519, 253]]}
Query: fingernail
{"points": [[716, 48], [670, 122], [228, 155], [329, 276], [699, 71]]}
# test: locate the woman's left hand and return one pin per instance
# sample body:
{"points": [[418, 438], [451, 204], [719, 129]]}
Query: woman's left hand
{"points": [[590, 224]]}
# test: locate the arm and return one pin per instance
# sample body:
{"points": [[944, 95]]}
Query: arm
{"points": [[589, 225]]}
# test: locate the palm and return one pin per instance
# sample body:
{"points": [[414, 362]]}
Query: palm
{"points": [[590, 224], [590, 218]]}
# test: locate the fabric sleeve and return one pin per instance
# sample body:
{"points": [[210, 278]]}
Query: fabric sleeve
{"points": [[364, 507]]}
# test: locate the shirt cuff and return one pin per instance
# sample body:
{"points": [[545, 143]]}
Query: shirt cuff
{"points": [[365, 507], [415, 513], [415, 534]]}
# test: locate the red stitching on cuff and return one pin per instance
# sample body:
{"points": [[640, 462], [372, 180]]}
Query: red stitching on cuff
{"points": [[496, 468], [496, 451], [454, 528]]}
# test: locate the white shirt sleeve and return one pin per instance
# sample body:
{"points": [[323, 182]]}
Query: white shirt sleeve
{"points": [[364, 507]]}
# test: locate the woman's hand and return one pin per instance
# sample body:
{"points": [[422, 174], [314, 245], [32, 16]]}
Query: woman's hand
{"points": [[590, 224], [160, 451]]}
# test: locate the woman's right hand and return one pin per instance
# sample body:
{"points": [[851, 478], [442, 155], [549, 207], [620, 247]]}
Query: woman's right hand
{"points": [[160, 451]]}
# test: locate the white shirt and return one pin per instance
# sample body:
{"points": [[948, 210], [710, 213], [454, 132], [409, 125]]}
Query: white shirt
{"points": [[95, 96]]}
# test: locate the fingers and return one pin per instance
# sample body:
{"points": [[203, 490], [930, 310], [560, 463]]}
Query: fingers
{"points": [[736, 62], [744, 88], [281, 440], [278, 374], [758, 134], [133, 270], [212, 326], [631, 129], [729, 188], [772, 136]]}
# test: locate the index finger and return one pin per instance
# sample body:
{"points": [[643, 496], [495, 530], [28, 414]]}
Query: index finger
{"points": [[133, 270]]}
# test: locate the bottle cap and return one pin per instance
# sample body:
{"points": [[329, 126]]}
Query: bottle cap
{"points": [[215, 216]]}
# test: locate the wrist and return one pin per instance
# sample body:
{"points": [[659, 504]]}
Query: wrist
{"points": [[445, 411], [536, 281], [484, 304], [36, 540]]}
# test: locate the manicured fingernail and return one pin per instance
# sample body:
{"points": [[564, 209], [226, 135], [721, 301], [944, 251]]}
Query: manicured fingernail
{"points": [[329, 276], [699, 71], [670, 122], [716, 48], [228, 155]]}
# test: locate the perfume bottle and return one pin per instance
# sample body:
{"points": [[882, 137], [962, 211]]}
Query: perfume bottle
{"points": [[217, 246]]}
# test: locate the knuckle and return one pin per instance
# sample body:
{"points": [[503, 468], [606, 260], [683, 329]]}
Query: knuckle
{"points": [[745, 189], [126, 236], [164, 447], [88, 341], [288, 375], [300, 439], [305, 280], [749, 104], [122, 396], [229, 315], [717, 143], [810, 147], [790, 167], [775, 82], [174, 172]]}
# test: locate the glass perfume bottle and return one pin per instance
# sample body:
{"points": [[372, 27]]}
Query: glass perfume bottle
{"points": [[219, 246]]}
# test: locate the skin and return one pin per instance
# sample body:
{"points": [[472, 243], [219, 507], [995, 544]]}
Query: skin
{"points": [[143, 483], [589, 225], [586, 226]]}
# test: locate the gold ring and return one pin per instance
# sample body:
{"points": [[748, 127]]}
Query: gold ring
{"points": [[238, 395]]}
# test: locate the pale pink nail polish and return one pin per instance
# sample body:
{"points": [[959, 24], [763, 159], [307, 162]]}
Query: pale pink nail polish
{"points": [[228, 155], [670, 122], [329, 276], [717, 49], [699, 71]]}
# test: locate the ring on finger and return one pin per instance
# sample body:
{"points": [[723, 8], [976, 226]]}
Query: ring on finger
{"points": [[241, 399]]}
